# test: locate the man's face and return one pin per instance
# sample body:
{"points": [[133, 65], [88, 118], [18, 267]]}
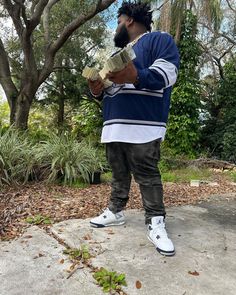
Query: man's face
{"points": [[121, 38]]}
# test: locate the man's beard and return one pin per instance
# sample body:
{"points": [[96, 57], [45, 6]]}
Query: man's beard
{"points": [[121, 39]]}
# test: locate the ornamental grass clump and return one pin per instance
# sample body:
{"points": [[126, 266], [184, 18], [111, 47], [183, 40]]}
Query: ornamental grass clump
{"points": [[16, 157], [63, 158]]}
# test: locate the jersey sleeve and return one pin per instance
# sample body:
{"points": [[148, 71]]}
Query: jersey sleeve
{"points": [[163, 71]]}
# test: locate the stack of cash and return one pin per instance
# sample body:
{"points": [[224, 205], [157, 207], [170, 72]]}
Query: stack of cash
{"points": [[90, 73], [115, 63], [118, 61]]}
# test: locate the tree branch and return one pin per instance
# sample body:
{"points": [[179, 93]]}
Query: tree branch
{"points": [[219, 34], [34, 3], [35, 19], [22, 10], [81, 19], [14, 12], [52, 86], [46, 15], [5, 75], [65, 68], [90, 48], [227, 38], [66, 33], [230, 6], [163, 4]]}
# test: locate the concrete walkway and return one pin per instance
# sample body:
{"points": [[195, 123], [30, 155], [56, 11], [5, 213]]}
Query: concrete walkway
{"points": [[205, 262]]}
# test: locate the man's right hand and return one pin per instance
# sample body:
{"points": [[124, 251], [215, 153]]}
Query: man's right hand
{"points": [[96, 87]]}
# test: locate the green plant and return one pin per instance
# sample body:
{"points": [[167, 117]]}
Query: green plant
{"points": [[109, 280], [4, 113], [229, 143], [218, 132], [88, 121], [16, 156], [79, 183], [233, 176], [183, 127], [106, 177], [38, 219], [185, 174], [78, 254], [64, 158]]}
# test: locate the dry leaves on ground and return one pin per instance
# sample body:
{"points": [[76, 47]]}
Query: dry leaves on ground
{"points": [[60, 203]]}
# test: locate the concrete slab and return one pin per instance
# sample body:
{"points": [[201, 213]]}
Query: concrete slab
{"points": [[205, 240], [204, 236], [32, 265]]}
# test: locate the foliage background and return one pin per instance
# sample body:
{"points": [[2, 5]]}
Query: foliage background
{"points": [[64, 117]]}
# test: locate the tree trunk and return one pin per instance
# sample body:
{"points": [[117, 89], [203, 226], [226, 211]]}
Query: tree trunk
{"points": [[61, 111], [13, 106], [22, 113], [61, 100]]}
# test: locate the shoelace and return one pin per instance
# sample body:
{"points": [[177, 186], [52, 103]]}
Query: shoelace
{"points": [[106, 211], [160, 230]]}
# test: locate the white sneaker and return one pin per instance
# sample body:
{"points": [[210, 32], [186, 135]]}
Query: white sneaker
{"points": [[158, 236], [107, 218]]}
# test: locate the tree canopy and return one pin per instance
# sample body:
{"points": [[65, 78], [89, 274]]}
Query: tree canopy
{"points": [[33, 21]]}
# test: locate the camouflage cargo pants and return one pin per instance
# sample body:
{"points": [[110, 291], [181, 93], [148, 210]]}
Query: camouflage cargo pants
{"points": [[141, 160]]}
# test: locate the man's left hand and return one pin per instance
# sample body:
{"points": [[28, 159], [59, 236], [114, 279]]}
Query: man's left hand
{"points": [[127, 75]]}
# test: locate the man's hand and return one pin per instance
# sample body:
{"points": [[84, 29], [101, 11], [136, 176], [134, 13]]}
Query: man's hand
{"points": [[96, 87], [127, 75]]}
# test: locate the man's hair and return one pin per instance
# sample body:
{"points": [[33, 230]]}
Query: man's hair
{"points": [[140, 12]]}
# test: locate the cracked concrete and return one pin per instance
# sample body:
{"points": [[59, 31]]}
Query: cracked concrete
{"points": [[204, 236]]}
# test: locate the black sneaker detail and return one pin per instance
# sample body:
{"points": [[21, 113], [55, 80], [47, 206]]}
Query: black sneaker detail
{"points": [[96, 225], [166, 253]]}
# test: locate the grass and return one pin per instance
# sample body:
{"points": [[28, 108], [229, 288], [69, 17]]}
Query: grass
{"points": [[38, 219], [79, 184], [231, 175], [175, 175], [106, 177], [186, 174]]}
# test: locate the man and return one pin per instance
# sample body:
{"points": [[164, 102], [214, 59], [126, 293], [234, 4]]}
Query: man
{"points": [[135, 111]]}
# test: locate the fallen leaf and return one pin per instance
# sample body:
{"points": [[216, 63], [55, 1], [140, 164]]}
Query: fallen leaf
{"points": [[87, 237], [138, 285], [109, 231], [193, 273], [62, 261], [72, 267], [28, 237], [28, 200]]}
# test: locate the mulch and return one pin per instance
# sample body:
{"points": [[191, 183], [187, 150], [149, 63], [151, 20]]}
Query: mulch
{"points": [[60, 203]]}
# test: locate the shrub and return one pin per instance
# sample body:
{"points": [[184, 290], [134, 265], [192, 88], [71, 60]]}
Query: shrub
{"points": [[16, 157], [229, 144], [64, 158]]}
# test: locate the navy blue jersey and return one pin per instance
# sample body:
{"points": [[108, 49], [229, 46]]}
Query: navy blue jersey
{"points": [[147, 104]]}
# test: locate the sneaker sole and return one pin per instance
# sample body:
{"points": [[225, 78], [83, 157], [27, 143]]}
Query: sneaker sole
{"points": [[162, 252], [97, 225]]}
